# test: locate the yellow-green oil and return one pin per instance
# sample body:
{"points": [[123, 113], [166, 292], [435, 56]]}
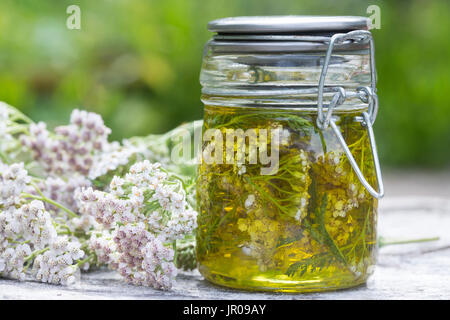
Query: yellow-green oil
{"points": [[310, 226]]}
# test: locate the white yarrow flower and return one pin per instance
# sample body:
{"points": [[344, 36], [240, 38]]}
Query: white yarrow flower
{"points": [[147, 211], [249, 201]]}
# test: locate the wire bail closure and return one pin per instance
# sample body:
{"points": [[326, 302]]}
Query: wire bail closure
{"points": [[365, 94]]}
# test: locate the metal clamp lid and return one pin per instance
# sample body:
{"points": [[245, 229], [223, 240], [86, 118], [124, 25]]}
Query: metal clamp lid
{"points": [[365, 94], [288, 34], [252, 25]]}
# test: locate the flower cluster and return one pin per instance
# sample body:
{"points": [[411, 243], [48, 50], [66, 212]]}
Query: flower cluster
{"points": [[13, 180], [62, 190], [147, 211], [57, 264], [27, 231], [12, 261], [262, 232], [345, 195], [104, 247], [113, 156], [86, 204], [301, 187], [158, 264], [80, 147]]}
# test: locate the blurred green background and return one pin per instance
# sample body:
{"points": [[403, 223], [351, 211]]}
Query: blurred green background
{"points": [[137, 63]]}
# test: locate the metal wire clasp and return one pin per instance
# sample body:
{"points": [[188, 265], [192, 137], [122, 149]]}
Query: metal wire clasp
{"points": [[365, 94]]}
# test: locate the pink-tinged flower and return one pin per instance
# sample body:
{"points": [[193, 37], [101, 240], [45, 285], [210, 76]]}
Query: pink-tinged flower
{"points": [[147, 211]]}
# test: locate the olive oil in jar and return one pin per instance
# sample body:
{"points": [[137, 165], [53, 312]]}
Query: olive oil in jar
{"points": [[309, 226]]}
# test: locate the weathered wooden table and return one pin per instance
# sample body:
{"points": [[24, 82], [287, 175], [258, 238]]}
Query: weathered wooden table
{"points": [[412, 271]]}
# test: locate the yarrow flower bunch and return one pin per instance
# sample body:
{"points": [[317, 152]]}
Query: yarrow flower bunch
{"points": [[81, 147], [70, 200], [147, 212], [28, 234]]}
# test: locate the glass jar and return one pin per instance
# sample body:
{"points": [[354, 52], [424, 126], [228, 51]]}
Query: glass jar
{"points": [[284, 187]]}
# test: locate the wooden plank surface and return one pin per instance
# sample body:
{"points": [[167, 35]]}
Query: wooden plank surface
{"points": [[412, 271]]}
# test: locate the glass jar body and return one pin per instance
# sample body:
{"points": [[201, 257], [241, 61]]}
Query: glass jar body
{"points": [[310, 226], [305, 223]]}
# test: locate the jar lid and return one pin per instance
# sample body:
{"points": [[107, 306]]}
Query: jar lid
{"points": [[288, 24], [266, 34]]}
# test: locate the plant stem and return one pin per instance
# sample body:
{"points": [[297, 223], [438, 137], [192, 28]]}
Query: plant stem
{"points": [[174, 246], [89, 258], [35, 253], [3, 157], [19, 116], [28, 260], [50, 201], [323, 142], [383, 243]]}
